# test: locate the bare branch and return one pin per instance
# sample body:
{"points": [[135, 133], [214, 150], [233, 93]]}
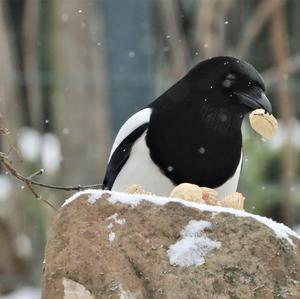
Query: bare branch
{"points": [[67, 188], [8, 165], [209, 29], [286, 107], [39, 172], [275, 75], [4, 160], [255, 24], [176, 40]]}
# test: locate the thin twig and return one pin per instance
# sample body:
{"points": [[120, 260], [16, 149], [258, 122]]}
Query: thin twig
{"points": [[7, 164], [39, 172], [67, 188], [29, 182]]}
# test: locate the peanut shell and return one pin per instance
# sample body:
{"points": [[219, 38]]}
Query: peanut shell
{"points": [[263, 123]]}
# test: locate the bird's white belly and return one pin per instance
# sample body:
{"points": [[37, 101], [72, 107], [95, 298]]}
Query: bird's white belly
{"points": [[140, 169], [230, 186]]}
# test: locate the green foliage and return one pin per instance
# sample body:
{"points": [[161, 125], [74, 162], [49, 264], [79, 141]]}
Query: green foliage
{"points": [[261, 179]]}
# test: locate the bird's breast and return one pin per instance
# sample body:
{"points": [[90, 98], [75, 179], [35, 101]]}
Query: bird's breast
{"points": [[190, 151]]}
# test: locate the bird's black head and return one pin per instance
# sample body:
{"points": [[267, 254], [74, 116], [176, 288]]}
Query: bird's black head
{"points": [[228, 83]]}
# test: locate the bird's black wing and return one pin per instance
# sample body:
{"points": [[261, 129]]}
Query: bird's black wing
{"points": [[121, 155]]}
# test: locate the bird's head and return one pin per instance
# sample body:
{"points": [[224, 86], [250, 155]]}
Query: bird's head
{"points": [[230, 84]]}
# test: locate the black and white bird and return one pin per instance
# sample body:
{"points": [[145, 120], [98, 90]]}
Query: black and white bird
{"points": [[191, 133]]}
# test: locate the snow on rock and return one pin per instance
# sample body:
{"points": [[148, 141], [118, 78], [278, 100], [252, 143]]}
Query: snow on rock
{"points": [[296, 229], [193, 246], [100, 253], [93, 196], [111, 236], [280, 230], [116, 219], [74, 290]]}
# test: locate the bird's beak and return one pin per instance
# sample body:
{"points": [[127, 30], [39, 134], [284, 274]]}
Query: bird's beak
{"points": [[255, 98]]}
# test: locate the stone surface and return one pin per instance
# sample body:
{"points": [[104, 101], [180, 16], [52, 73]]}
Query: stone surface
{"points": [[121, 251]]}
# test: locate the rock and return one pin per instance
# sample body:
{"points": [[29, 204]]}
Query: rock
{"points": [[115, 245]]}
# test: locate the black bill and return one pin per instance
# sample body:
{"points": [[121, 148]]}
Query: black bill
{"points": [[255, 98]]}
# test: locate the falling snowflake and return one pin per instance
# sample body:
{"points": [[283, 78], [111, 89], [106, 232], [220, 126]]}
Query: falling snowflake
{"points": [[66, 131], [131, 54], [170, 168], [64, 17], [201, 150]]}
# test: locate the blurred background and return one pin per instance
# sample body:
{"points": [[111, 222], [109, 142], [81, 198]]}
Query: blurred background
{"points": [[72, 71]]}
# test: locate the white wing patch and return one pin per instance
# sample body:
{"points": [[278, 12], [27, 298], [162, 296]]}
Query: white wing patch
{"points": [[231, 185], [135, 121]]}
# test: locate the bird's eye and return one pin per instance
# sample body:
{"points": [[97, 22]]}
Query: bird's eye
{"points": [[229, 80]]}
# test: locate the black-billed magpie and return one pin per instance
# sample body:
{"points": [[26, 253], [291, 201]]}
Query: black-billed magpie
{"points": [[191, 133]]}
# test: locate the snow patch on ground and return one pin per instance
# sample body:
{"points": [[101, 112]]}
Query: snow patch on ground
{"points": [[194, 245], [280, 230]]}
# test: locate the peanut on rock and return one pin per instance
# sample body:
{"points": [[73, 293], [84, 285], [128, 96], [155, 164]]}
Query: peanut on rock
{"points": [[198, 194], [234, 200], [263, 123], [136, 189], [210, 196], [189, 192]]}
